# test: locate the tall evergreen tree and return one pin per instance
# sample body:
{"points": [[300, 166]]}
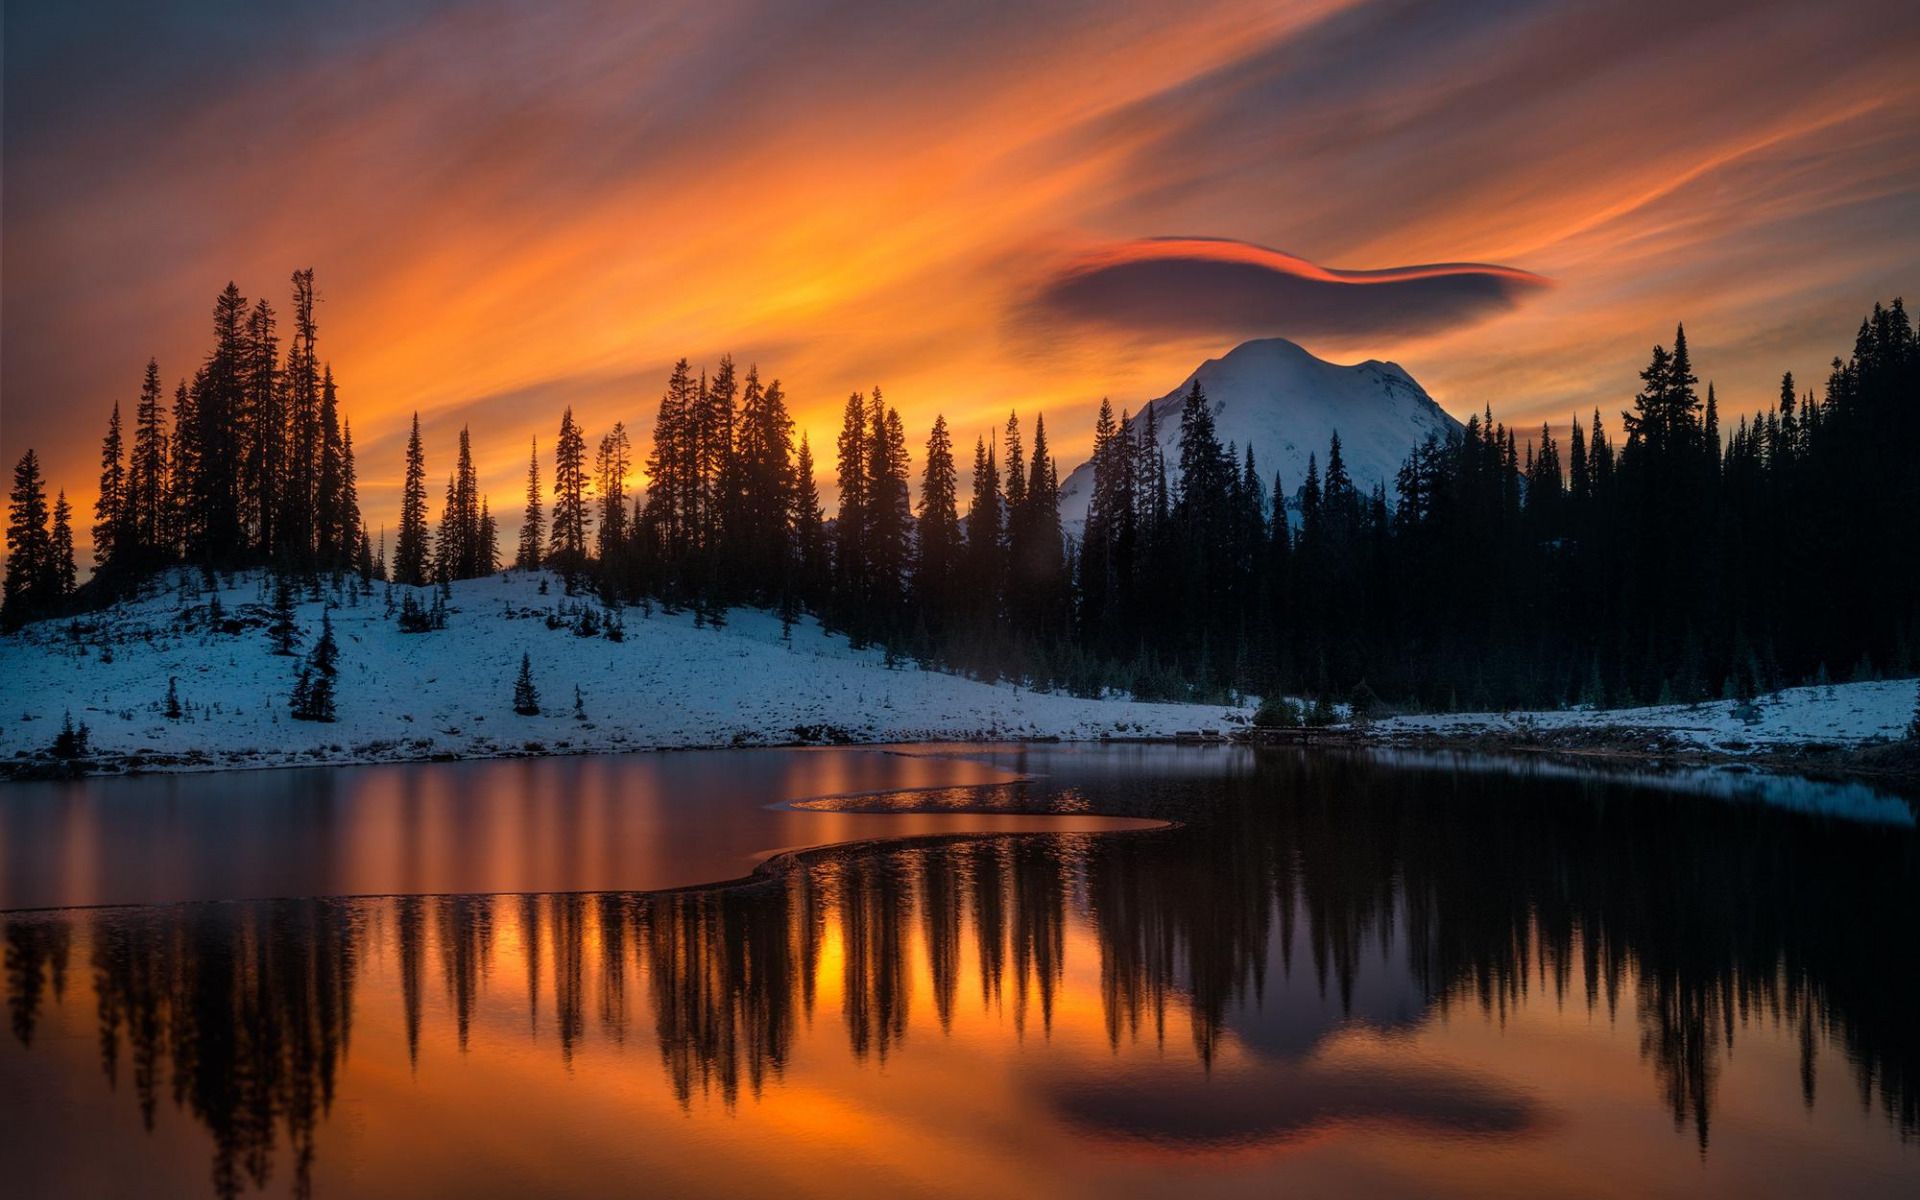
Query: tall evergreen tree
{"points": [[110, 510], [937, 560], [211, 491], [763, 460], [487, 545], [986, 541], [567, 544], [410, 550], [809, 529], [532, 524], [182, 518], [611, 465], [889, 518], [62, 576], [147, 486], [331, 524], [351, 530], [300, 483], [29, 589], [850, 584], [263, 462]]}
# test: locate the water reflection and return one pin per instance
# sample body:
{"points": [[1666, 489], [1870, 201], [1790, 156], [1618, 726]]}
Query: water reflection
{"points": [[1327, 945]]}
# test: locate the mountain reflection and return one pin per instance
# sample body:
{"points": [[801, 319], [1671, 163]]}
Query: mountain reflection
{"points": [[1304, 897]]}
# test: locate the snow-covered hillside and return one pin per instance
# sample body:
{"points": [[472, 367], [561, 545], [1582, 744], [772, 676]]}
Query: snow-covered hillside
{"points": [[1287, 404], [668, 683], [1846, 714]]}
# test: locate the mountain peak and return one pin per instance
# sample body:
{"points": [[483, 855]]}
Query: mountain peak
{"points": [[1286, 403]]}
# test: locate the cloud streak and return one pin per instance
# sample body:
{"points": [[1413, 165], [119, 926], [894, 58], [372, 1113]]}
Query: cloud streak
{"points": [[1161, 286], [504, 198]]}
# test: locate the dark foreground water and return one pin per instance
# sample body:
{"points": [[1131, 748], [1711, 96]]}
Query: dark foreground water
{"points": [[1340, 974]]}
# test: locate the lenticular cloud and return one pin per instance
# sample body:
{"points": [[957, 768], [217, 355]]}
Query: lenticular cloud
{"points": [[1216, 285]]}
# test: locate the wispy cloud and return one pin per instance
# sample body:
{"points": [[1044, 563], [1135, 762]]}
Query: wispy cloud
{"points": [[511, 199]]}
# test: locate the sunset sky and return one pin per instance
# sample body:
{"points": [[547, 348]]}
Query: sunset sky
{"points": [[512, 207]]}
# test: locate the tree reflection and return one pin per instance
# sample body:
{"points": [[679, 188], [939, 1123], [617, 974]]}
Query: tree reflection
{"points": [[1297, 877]]}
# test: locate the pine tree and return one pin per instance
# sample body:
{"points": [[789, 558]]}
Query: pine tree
{"points": [[283, 630], [1034, 545], [147, 486], [1098, 584], [487, 545], [326, 652], [467, 498], [850, 585], [351, 529], [173, 710], [211, 481], [30, 555], [110, 510], [312, 698], [263, 452], [889, 518], [986, 539], [330, 520], [713, 470], [62, 577], [567, 544], [449, 542], [526, 698], [937, 562], [73, 741], [527, 558], [672, 470], [300, 484], [320, 705], [763, 464], [809, 528], [610, 468], [410, 551], [180, 517]]}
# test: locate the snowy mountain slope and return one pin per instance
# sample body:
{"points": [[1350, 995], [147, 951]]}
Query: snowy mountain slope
{"points": [[1287, 404], [668, 683]]}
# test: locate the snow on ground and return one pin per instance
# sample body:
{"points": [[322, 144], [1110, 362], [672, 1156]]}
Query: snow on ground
{"points": [[668, 684], [1846, 714]]}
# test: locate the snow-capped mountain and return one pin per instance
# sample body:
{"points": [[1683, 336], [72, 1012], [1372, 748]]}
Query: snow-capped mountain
{"points": [[1287, 404]]}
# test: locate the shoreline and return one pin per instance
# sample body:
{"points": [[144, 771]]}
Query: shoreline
{"points": [[1890, 764]]}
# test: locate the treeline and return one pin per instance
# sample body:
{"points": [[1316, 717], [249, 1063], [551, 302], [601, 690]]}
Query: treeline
{"points": [[1670, 560], [253, 466]]}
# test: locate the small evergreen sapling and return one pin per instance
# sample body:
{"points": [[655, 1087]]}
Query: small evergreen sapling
{"points": [[312, 698], [326, 652], [526, 698], [284, 632], [73, 741], [1323, 713]]}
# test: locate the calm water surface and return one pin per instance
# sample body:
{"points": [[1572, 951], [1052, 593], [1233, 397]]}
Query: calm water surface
{"points": [[1337, 974]]}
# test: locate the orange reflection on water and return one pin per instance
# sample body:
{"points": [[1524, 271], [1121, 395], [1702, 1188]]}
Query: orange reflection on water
{"points": [[1313, 986]]}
